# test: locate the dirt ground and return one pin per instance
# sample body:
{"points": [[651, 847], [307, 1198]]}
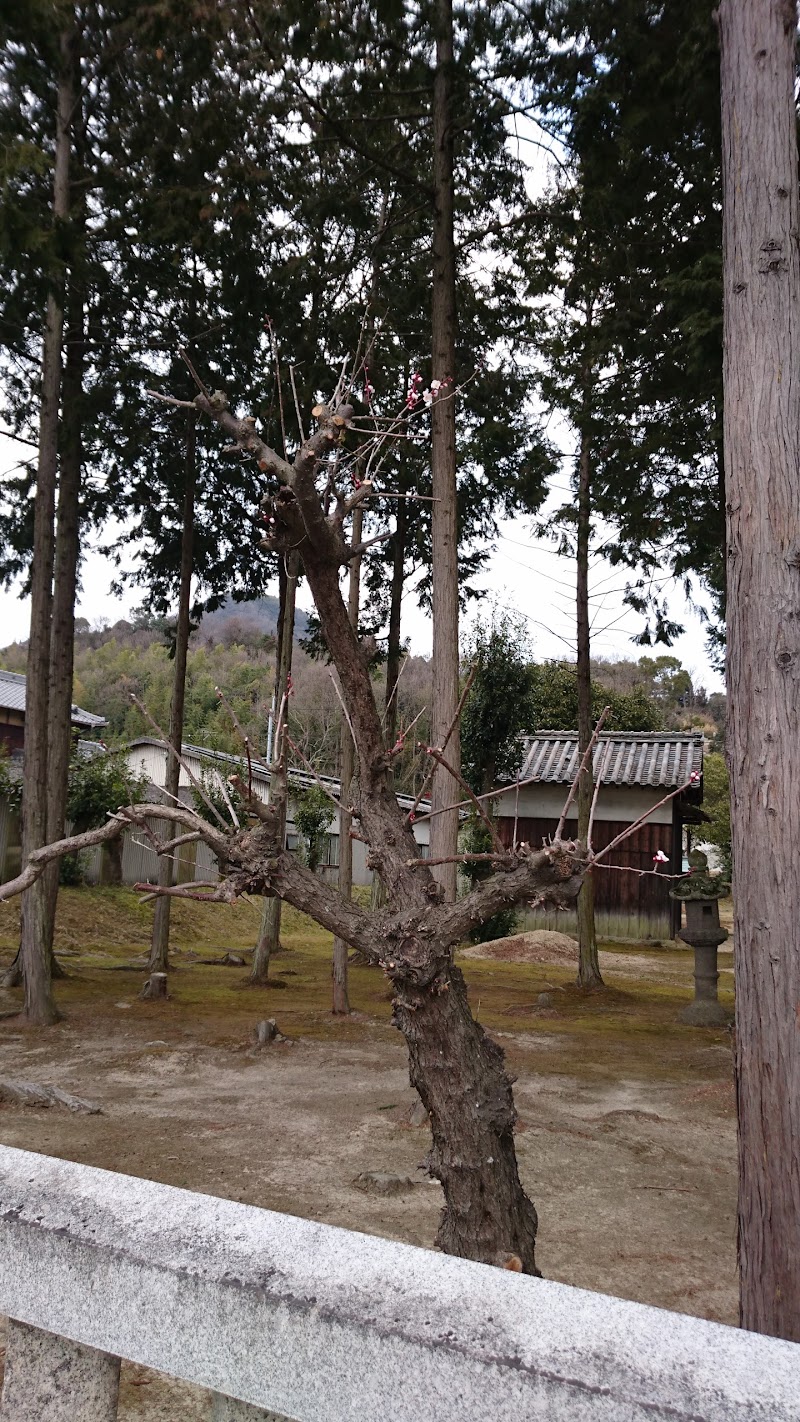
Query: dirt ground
{"points": [[626, 1136]]}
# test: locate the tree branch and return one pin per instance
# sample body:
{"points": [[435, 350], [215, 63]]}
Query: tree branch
{"points": [[456, 718], [550, 875], [440, 760], [573, 789], [355, 552], [631, 829], [130, 815]]}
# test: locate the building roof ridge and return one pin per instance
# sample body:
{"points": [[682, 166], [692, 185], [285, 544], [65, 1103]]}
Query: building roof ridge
{"points": [[644, 736]]}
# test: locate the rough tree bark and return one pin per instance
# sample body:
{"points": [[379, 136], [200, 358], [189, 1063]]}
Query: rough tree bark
{"points": [[270, 931], [40, 1008], [588, 961], [341, 1000], [444, 518], [158, 961], [762, 458]]}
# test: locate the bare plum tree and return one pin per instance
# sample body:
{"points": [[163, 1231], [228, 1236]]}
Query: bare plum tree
{"points": [[455, 1066]]}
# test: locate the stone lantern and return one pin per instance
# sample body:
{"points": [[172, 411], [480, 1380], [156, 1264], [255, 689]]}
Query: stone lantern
{"points": [[701, 893]]}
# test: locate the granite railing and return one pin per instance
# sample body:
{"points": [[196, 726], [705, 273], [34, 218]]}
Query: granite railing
{"points": [[277, 1315]]}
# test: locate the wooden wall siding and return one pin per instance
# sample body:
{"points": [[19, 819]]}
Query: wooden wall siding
{"points": [[633, 899], [623, 927]]}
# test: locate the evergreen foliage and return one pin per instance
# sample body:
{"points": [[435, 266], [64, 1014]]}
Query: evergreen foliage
{"points": [[313, 817], [98, 785], [717, 806], [267, 170], [554, 701], [500, 706], [625, 253], [512, 696], [10, 782]]}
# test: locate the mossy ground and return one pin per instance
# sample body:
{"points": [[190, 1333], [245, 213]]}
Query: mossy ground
{"points": [[628, 1028]]}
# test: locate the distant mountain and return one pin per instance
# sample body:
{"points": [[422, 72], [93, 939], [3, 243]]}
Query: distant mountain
{"points": [[259, 615]]}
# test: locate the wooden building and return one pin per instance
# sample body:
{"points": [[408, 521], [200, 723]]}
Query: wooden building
{"points": [[12, 714], [12, 744], [635, 770]]}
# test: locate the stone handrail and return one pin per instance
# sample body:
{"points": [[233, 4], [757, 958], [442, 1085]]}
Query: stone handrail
{"points": [[278, 1315]]}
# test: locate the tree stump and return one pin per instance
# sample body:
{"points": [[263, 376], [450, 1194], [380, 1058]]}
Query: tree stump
{"points": [[156, 986], [266, 1032]]}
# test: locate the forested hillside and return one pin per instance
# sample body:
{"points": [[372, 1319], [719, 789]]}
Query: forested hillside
{"points": [[234, 649]]}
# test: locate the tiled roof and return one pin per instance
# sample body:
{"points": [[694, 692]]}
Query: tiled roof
{"points": [[664, 758], [12, 691], [12, 698]]}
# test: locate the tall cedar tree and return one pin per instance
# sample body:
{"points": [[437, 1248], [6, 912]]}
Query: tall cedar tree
{"points": [[130, 303], [762, 455], [49, 663], [578, 362]]}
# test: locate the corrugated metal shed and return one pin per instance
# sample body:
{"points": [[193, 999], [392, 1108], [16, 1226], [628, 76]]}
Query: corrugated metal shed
{"points": [[662, 758], [12, 697]]}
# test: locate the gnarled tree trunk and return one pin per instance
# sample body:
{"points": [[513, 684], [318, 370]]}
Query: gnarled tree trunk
{"points": [[762, 459], [472, 1118], [457, 1070]]}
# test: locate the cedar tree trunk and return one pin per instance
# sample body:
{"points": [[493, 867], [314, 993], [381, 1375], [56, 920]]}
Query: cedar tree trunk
{"points": [[62, 628], [762, 458], [270, 933], [113, 863], [341, 1001], [444, 518], [393, 647], [588, 961], [40, 1008], [159, 945]]}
